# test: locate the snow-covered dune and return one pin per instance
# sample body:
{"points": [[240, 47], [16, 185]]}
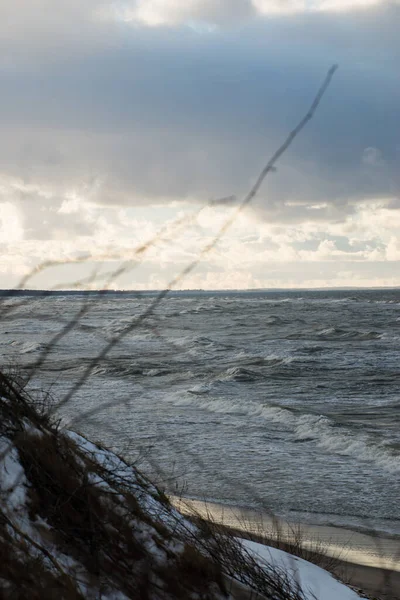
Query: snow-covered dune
{"points": [[313, 581], [78, 522]]}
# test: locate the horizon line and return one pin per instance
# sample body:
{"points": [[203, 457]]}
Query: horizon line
{"points": [[16, 291]]}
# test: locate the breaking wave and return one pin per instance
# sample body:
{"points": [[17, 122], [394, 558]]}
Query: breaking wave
{"points": [[304, 427], [336, 334], [239, 374], [28, 347]]}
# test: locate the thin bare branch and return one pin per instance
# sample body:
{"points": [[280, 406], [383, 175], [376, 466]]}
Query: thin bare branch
{"points": [[209, 246]]}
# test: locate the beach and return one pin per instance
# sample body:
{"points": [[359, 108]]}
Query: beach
{"points": [[369, 562]]}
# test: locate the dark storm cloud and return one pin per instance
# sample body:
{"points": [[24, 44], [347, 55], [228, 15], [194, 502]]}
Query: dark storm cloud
{"points": [[143, 114]]}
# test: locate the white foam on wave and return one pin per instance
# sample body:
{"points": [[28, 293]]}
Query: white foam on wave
{"points": [[337, 440], [327, 331], [97, 370], [345, 442], [200, 389], [342, 334], [247, 358], [238, 374], [317, 428], [28, 347]]}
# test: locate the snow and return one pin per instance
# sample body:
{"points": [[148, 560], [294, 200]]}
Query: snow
{"points": [[12, 477], [147, 495], [313, 581], [114, 595], [316, 583]]}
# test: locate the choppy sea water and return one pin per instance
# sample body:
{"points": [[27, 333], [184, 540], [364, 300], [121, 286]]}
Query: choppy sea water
{"points": [[285, 401]]}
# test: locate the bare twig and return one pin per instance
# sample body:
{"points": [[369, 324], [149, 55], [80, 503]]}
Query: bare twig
{"points": [[208, 247]]}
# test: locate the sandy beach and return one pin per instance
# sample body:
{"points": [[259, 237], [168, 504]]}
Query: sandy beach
{"points": [[367, 561]]}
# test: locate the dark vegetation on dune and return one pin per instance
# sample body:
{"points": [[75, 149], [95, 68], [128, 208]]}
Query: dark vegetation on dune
{"points": [[92, 525]]}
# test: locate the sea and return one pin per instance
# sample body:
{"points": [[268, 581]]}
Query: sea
{"points": [[282, 401]]}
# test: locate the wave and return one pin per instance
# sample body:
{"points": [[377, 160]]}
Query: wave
{"points": [[396, 302], [114, 370], [203, 341], [343, 334], [232, 374], [336, 334], [200, 389], [310, 350], [305, 427], [156, 372], [301, 299], [239, 374], [228, 304], [128, 370], [270, 360], [116, 326], [200, 308], [28, 347], [275, 320], [198, 345]]}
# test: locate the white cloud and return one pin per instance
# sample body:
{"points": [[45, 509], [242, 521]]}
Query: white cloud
{"points": [[110, 132], [11, 228], [172, 12], [252, 254], [280, 6], [345, 4]]}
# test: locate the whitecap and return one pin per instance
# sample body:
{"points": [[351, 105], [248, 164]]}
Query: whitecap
{"points": [[314, 428], [28, 347]]}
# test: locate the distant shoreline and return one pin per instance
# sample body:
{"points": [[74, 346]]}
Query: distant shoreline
{"points": [[39, 292]]}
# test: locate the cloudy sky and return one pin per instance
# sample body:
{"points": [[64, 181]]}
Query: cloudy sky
{"points": [[123, 119]]}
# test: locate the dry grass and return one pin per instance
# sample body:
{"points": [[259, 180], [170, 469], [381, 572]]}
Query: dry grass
{"points": [[93, 513], [238, 564], [25, 575], [292, 539], [101, 527], [289, 537]]}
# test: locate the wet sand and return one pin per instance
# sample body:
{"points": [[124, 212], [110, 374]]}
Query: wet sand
{"points": [[367, 561]]}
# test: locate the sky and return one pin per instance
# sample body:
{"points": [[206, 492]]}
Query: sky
{"points": [[131, 131]]}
